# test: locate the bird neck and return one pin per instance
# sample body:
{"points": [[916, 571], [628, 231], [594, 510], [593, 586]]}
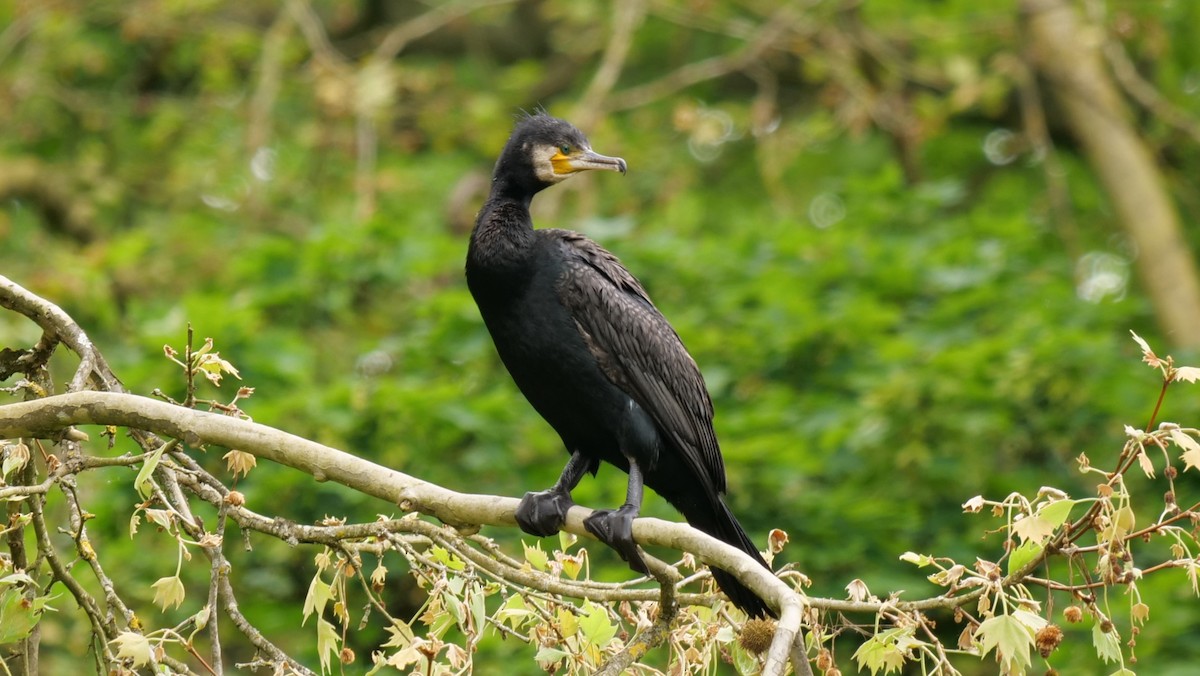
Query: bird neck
{"points": [[503, 231]]}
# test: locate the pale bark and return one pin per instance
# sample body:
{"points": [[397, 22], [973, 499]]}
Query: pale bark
{"points": [[1067, 54]]}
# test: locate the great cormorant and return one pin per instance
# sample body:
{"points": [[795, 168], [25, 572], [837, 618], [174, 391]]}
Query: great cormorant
{"points": [[593, 355]]}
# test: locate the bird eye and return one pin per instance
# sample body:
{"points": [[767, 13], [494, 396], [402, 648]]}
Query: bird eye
{"points": [[565, 150]]}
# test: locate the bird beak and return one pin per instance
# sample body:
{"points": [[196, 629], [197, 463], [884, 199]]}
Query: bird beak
{"points": [[585, 159]]}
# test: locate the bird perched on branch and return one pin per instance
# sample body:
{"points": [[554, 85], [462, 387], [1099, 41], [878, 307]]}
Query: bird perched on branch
{"points": [[593, 355]]}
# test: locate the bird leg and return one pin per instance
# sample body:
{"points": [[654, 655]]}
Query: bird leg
{"points": [[543, 513], [614, 527]]}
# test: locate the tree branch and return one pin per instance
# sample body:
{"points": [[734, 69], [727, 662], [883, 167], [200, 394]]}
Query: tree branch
{"points": [[46, 417], [1098, 118]]}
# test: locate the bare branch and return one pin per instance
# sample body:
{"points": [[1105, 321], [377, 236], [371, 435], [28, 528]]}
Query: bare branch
{"points": [[398, 37], [58, 324], [46, 416], [767, 36]]}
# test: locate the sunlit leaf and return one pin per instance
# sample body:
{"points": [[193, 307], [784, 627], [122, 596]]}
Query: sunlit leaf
{"points": [[1148, 355], [1022, 554], [515, 612], [568, 622], [1009, 637], [15, 457], [536, 557], [1187, 374], [443, 556], [142, 481], [886, 651], [18, 613], [132, 646], [1191, 448], [399, 633], [918, 560], [475, 601], [596, 625], [161, 517], [548, 657], [319, 593], [327, 642], [168, 591]]}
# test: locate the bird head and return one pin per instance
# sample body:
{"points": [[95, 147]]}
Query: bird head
{"points": [[548, 150]]}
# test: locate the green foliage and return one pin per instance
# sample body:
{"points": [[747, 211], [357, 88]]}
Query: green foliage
{"points": [[19, 610], [878, 349]]}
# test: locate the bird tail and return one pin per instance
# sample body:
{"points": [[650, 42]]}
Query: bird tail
{"points": [[715, 519]]}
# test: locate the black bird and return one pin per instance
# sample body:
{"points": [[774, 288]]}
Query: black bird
{"points": [[594, 356]]}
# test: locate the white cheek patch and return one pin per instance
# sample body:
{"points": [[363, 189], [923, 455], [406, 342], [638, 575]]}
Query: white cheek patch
{"points": [[542, 167]]}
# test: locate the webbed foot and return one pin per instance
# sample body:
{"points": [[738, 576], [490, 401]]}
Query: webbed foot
{"points": [[614, 527], [542, 513]]}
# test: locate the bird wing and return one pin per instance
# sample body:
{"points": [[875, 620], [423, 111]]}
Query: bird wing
{"points": [[639, 351]]}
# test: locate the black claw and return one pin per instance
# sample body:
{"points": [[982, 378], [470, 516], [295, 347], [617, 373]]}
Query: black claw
{"points": [[614, 527], [543, 513]]}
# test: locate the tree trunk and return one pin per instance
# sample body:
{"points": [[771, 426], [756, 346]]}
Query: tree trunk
{"points": [[1067, 55]]}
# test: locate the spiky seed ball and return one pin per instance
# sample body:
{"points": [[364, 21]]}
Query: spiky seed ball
{"points": [[1073, 614], [824, 659], [1047, 639], [756, 635]]}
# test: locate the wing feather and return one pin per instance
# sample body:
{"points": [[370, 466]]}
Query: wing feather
{"points": [[640, 352]]}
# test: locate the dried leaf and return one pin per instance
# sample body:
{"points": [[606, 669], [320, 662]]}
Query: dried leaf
{"points": [[239, 462], [857, 590]]}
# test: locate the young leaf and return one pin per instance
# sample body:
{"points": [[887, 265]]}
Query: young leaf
{"points": [[159, 516], [319, 594], [514, 612], [401, 635], [1191, 448], [168, 591], [444, 557], [568, 623], [886, 651], [1023, 554], [1056, 512], [475, 599], [1107, 643], [1042, 524], [15, 457], [327, 642], [595, 625], [1148, 355], [536, 557], [1009, 637], [1188, 374], [918, 560], [134, 646], [18, 617], [142, 481], [548, 657]]}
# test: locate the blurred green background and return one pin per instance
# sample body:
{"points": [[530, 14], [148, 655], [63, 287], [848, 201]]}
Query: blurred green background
{"points": [[889, 324]]}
